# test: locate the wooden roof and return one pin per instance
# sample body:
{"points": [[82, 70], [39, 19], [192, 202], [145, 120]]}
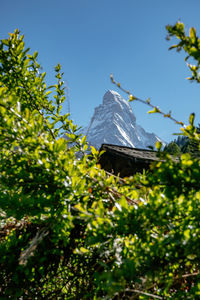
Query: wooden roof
{"points": [[139, 154]]}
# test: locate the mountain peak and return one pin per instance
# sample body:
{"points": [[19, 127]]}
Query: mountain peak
{"points": [[110, 96], [114, 122]]}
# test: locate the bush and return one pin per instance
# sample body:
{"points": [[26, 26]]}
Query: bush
{"points": [[68, 229]]}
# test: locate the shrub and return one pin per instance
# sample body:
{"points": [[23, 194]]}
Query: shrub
{"points": [[68, 229]]}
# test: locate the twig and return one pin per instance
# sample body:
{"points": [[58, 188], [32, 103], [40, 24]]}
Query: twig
{"points": [[190, 275], [116, 193], [117, 177], [143, 293], [147, 102], [24, 256]]}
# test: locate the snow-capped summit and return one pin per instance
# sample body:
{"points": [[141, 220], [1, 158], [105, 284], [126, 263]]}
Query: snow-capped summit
{"points": [[114, 122]]}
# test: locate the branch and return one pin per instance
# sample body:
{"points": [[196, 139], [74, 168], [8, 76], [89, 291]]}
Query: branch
{"points": [[24, 256], [143, 293], [114, 192], [146, 102], [190, 275]]}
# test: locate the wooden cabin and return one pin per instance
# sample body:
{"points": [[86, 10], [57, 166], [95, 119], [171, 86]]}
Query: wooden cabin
{"points": [[126, 161]]}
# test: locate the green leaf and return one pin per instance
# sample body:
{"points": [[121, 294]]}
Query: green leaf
{"points": [[94, 151], [35, 54], [173, 46], [155, 110], [5, 42], [191, 119], [84, 250], [158, 145], [132, 98], [192, 34]]}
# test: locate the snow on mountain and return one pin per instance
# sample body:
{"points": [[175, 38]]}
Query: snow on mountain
{"points": [[114, 122]]}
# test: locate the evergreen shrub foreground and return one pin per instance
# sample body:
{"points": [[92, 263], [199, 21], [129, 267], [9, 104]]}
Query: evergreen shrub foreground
{"points": [[68, 230]]}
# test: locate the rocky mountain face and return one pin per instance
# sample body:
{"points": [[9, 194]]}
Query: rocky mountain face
{"points": [[114, 122]]}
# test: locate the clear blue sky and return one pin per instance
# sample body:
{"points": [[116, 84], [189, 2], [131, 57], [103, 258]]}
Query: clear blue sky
{"points": [[93, 38]]}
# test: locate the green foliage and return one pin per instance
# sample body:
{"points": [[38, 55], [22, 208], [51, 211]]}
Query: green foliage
{"points": [[191, 147], [184, 145], [190, 44], [68, 230], [173, 148]]}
